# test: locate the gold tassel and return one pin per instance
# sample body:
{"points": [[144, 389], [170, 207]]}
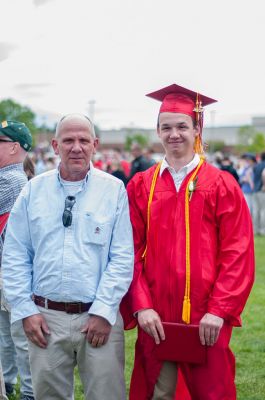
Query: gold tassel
{"points": [[198, 147], [186, 310]]}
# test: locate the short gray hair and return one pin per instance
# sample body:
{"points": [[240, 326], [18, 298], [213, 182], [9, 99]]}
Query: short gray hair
{"points": [[75, 115]]}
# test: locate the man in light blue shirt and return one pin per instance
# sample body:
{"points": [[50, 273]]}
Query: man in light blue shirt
{"points": [[67, 263]]}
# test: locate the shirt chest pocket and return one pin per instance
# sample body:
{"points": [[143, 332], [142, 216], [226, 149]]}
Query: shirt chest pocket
{"points": [[96, 233]]}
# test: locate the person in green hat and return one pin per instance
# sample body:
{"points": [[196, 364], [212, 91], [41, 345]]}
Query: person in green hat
{"points": [[16, 132], [15, 142]]}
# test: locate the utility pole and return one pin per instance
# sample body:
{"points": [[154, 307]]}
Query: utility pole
{"points": [[91, 110]]}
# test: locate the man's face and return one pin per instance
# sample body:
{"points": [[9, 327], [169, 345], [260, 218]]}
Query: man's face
{"points": [[75, 145], [6, 149], [177, 134]]}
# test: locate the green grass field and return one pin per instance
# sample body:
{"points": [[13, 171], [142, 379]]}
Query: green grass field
{"points": [[248, 343]]}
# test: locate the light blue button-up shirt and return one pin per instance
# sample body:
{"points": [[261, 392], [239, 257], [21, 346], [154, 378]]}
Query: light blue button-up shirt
{"points": [[90, 261]]}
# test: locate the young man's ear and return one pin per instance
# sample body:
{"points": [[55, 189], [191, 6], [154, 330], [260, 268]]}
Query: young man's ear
{"points": [[158, 126], [158, 130], [197, 130]]}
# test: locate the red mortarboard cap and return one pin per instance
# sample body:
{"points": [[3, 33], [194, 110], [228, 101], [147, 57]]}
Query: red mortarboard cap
{"points": [[178, 99]]}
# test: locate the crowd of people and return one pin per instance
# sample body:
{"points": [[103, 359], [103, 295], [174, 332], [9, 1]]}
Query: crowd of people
{"points": [[82, 258], [248, 169], [120, 163]]}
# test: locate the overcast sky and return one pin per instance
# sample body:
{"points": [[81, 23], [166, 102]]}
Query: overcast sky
{"points": [[58, 55]]}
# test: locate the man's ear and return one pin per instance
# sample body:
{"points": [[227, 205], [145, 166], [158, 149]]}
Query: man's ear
{"points": [[15, 148], [55, 146], [96, 143]]}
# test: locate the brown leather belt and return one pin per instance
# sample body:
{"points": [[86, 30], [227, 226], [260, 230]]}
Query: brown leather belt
{"points": [[70, 308]]}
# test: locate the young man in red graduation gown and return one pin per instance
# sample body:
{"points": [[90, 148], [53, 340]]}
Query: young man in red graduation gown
{"points": [[194, 257]]}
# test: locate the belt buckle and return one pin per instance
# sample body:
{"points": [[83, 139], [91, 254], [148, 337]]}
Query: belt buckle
{"points": [[69, 305]]}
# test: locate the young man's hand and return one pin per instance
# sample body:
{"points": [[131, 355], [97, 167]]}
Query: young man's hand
{"points": [[210, 326], [150, 322]]}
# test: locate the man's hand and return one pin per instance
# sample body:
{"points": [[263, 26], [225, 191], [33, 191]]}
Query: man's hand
{"points": [[35, 328], [210, 326], [97, 330], [151, 323]]}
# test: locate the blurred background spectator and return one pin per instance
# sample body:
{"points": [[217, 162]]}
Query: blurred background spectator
{"points": [[259, 197], [227, 165], [246, 178], [117, 170], [139, 162], [149, 154], [29, 167]]}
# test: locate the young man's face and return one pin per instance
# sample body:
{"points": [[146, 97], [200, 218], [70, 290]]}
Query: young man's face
{"points": [[177, 134], [75, 145]]}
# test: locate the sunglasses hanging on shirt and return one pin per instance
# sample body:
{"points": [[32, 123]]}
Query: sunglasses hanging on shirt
{"points": [[67, 212]]}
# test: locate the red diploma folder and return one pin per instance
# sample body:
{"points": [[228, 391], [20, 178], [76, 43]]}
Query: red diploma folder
{"points": [[182, 344]]}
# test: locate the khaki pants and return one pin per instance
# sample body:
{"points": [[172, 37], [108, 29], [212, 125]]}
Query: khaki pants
{"points": [[101, 369], [165, 387]]}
